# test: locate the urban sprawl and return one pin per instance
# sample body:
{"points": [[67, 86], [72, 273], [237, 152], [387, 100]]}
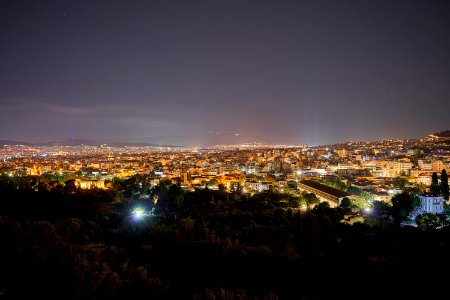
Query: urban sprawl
{"points": [[374, 170]]}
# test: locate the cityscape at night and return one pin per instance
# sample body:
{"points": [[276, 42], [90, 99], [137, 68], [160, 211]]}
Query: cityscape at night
{"points": [[224, 150]]}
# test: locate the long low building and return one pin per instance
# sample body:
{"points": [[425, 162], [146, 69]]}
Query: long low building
{"points": [[324, 193]]}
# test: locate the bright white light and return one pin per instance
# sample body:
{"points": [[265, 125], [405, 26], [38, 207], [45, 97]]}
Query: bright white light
{"points": [[138, 213], [321, 171]]}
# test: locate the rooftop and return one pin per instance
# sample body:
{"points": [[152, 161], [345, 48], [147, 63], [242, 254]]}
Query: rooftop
{"points": [[326, 189]]}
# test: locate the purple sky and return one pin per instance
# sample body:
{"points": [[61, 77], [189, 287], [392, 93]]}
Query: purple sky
{"points": [[201, 72]]}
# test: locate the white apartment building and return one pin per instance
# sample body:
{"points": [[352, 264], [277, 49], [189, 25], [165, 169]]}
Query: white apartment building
{"points": [[429, 204]]}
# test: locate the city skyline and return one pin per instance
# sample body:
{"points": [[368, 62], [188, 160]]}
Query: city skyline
{"points": [[203, 73]]}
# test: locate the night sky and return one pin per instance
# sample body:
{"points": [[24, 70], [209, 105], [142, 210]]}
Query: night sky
{"points": [[208, 72]]}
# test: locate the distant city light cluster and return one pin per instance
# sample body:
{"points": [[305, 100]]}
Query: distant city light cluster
{"points": [[369, 167]]}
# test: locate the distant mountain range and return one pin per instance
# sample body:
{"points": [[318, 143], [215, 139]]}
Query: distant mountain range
{"points": [[79, 142], [133, 142], [442, 134], [9, 142]]}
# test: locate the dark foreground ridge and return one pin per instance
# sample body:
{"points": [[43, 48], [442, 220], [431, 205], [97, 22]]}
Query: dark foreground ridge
{"points": [[66, 243]]}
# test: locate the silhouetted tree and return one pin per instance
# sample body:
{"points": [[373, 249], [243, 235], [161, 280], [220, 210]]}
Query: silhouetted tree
{"points": [[402, 205], [345, 203], [434, 187], [354, 190], [381, 210], [419, 188], [294, 202], [311, 199], [211, 182], [70, 187], [444, 184]]}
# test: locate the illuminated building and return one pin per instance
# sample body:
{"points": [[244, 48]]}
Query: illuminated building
{"points": [[89, 184], [429, 204], [324, 193]]}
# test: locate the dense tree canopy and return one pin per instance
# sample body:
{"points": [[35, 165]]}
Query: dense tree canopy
{"points": [[399, 183], [431, 221], [62, 242], [334, 181]]}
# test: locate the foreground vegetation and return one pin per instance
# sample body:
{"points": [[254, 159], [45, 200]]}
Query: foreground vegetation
{"points": [[60, 242]]}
